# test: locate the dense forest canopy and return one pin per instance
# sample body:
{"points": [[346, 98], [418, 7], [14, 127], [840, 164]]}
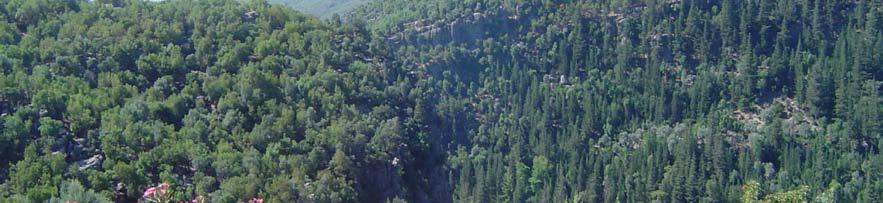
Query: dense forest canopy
{"points": [[442, 101], [322, 8]]}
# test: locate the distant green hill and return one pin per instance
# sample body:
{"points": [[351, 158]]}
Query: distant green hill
{"points": [[323, 8]]}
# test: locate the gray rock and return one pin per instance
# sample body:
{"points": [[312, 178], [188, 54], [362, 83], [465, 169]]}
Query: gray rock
{"points": [[92, 162]]}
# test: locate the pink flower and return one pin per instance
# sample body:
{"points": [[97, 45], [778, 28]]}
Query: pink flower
{"points": [[256, 200], [149, 192]]}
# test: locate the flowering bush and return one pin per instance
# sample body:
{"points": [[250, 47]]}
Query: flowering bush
{"points": [[158, 194]]}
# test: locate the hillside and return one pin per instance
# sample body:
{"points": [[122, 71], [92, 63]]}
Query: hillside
{"points": [[322, 8], [669, 101], [441, 101]]}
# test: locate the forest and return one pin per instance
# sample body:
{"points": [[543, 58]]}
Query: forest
{"points": [[321, 8], [441, 101]]}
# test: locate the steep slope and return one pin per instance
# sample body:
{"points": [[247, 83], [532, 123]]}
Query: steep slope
{"points": [[224, 101], [544, 101], [441, 101]]}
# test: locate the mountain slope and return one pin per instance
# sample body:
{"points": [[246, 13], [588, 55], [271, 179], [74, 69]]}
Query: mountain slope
{"points": [[442, 101], [322, 8], [640, 101]]}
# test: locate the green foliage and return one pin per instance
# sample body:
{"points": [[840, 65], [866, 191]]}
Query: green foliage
{"points": [[322, 8], [751, 192], [73, 191], [442, 100], [829, 195]]}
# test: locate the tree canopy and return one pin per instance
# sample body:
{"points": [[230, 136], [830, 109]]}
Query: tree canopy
{"points": [[441, 101]]}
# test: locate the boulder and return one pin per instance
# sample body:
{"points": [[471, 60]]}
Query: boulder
{"points": [[92, 162]]}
